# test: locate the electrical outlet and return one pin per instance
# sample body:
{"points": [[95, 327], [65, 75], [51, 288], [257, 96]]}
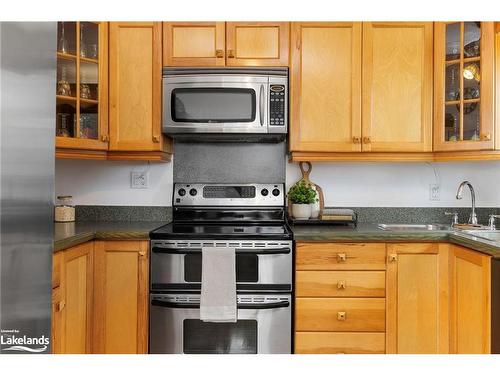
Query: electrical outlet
{"points": [[434, 192], [139, 180]]}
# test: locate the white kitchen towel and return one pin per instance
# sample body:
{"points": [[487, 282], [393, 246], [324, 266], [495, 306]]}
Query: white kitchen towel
{"points": [[218, 285]]}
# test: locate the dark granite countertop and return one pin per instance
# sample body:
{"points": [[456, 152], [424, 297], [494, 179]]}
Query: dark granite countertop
{"points": [[71, 234], [371, 233]]}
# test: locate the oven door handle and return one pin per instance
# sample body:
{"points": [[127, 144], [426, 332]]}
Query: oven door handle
{"points": [[243, 306], [173, 250]]}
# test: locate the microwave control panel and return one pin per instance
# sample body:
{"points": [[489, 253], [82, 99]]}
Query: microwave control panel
{"points": [[277, 113]]}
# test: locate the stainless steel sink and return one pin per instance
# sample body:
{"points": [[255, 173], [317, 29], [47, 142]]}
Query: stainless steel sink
{"points": [[413, 227], [487, 234]]}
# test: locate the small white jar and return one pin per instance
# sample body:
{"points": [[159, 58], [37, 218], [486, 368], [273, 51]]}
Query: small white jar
{"points": [[65, 209]]}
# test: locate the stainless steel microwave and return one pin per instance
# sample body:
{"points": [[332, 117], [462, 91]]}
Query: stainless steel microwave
{"points": [[225, 100]]}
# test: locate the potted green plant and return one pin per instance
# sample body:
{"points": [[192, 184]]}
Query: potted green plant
{"points": [[301, 195]]}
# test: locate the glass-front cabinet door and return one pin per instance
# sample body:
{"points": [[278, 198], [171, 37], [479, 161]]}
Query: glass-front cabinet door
{"points": [[464, 109], [81, 89]]}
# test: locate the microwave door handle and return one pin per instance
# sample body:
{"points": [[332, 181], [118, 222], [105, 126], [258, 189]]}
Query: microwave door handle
{"points": [[261, 105]]}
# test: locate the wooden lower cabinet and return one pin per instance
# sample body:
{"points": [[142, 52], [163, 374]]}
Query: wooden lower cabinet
{"points": [[100, 298], [121, 297], [422, 298], [417, 298], [72, 300], [470, 313]]}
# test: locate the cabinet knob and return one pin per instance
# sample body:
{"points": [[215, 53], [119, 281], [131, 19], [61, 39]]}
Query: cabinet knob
{"points": [[105, 138], [230, 53], [356, 140], [367, 140], [142, 253], [393, 257], [341, 284], [341, 315], [486, 137], [219, 53], [156, 138], [341, 257]]}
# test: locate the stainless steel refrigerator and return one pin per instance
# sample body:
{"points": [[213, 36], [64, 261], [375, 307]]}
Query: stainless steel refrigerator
{"points": [[27, 130]]}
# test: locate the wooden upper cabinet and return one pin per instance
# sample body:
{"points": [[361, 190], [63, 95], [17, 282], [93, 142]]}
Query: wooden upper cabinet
{"points": [[417, 302], [194, 43], [397, 86], [82, 86], [470, 328], [325, 85], [257, 43], [121, 297], [72, 300], [135, 86], [464, 86]]}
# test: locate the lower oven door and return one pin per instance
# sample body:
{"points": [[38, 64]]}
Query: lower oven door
{"points": [[264, 326]]}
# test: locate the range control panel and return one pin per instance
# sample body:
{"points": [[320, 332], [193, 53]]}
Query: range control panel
{"points": [[229, 195], [277, 105]]}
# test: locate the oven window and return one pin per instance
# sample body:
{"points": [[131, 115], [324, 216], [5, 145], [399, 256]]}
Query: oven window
{"points": [[220, 338], [247, 268], [213, 105]]}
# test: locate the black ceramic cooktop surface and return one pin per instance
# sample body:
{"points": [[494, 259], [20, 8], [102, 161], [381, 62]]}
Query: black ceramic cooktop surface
{"points": [[247, 231]]}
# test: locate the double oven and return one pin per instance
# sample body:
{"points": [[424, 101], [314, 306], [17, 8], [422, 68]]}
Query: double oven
{"points": [[248, 218]]}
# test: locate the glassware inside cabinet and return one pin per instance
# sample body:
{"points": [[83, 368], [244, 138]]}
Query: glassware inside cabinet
{"points": [[453, 50], [89, 40], [89, 121], [452, 122], [66, 77], [65, 118], [472, 39], [452, 90], [66, 38], [472, 125], [89, 80]]}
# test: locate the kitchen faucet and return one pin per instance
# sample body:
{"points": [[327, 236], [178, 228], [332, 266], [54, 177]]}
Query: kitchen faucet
{"points": [[473, 216]]}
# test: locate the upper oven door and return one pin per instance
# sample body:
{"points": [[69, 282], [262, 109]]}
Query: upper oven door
{"points": [[215, 104]]}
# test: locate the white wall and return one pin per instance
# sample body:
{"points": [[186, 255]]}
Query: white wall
{"points": [[344, 184]]}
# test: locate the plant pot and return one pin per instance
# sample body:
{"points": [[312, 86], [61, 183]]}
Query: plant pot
{"points": [[301, 211]]}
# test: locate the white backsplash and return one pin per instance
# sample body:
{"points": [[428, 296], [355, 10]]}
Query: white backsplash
{"points": [[344, 184]]}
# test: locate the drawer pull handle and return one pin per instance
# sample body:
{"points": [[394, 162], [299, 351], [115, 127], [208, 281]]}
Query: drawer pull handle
{"points": [[341, 315], [341, 285], [393, 258], [341, 257]]}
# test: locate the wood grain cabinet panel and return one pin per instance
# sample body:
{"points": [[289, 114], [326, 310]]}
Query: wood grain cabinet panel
{"points": [[135, 87], [339, 256], [194, 43], [121, 297], [417, 298], [325, 86], [397, 86], [257, 43], [72, 302], [340, 314], [339, 343], [470, 302], [340, 284]]}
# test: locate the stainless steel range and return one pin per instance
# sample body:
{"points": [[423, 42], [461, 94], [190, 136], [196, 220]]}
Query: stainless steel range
{"points": [[249, 218]]}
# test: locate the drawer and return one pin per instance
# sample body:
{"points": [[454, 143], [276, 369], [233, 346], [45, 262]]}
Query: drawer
{"points": [[339, 342], [340, 256], [340, 284], [340, 314], [56, 269]]}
